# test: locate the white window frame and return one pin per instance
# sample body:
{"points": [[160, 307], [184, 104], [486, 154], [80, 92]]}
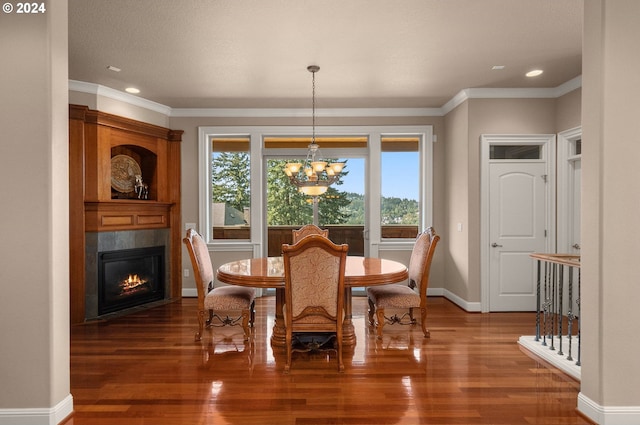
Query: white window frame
{"points": [[257, 155]]}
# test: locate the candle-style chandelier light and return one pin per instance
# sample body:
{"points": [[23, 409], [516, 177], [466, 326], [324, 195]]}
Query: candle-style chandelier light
{"points": [[315, 175]]}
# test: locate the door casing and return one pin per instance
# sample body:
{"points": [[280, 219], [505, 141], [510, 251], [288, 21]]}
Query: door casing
{"points": [[547, 142], [568, 208]]}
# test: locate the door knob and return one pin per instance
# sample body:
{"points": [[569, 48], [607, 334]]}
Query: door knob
{"points": [[576, 246], [495, 245]]}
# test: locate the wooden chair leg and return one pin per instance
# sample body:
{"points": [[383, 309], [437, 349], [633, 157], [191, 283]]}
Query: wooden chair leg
{"points": [[423, 322], [340, 363], [245, 324], [380, 324], [287, 365], [252, 319], [210, 319], [200, 325], [372, 311]]}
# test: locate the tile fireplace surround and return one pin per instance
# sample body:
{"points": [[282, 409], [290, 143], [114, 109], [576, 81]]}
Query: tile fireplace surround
{"points": [[97, 242]]}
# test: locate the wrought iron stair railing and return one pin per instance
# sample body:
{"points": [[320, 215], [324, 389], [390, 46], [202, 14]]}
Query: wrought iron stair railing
{"points": [[558, 309]]}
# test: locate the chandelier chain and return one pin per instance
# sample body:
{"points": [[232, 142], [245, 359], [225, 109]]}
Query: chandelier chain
{"points": [[315, 175], [313, 107]]}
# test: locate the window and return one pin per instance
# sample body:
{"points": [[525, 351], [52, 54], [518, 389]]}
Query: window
{"points": [[400, 191], [230, 184], [515, 152], [286, 206], [383, 201], [341, 209], [576, 147]]}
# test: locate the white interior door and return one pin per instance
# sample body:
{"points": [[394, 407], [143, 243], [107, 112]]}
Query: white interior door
{"points": [[517, 211]]}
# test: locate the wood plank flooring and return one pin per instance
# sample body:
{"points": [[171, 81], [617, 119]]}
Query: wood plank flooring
{"points": [[145, 368]]}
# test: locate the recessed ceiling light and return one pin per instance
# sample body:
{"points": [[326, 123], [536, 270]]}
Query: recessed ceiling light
{"points": [[497, 67], [534, 73], [132, 90], [113, 68]]}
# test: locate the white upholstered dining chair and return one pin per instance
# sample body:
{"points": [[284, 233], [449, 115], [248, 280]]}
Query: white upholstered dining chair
{"points": [[400, 296], [220, 301]]}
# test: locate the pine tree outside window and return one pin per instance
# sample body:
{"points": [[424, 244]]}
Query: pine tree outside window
{"points": [[230, 188]]}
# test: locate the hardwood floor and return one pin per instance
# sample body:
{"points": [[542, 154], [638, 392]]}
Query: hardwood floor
{"points": [[145, 368]]}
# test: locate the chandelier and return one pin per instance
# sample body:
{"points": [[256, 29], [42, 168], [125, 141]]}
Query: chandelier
{"points": [[314, 176]]}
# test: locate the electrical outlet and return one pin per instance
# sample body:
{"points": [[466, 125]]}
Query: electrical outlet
{"points": [[185, 273]]}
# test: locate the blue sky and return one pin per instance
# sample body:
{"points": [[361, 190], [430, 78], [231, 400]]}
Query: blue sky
{"points": [[400, 171]]}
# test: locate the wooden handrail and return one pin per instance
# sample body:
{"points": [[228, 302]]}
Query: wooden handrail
{"points": [[564, 259]]}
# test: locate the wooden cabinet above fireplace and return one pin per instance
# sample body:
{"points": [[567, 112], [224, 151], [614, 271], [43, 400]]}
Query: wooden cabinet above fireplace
{"points": [[105, 153], [150, 148]]}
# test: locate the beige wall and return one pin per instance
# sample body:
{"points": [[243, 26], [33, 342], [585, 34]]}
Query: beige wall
{"points": [[463, 127], [611, 207], [568, 111], [456, 202], [34, 306]]}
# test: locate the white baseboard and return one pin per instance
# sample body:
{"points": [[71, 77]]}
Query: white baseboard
{"points": [[472, 307], [605, 415], [189, 293], [38, 416]]}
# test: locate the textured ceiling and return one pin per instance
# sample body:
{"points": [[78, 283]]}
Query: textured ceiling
{"points": [[372, 53]]}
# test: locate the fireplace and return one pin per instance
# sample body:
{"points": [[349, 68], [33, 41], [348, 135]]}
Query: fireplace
{"points": [[130, 277]]}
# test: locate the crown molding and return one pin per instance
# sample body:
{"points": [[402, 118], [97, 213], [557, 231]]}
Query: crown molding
{"points": [[512, 93], [459, 98], [98, 90], [303, 113]]}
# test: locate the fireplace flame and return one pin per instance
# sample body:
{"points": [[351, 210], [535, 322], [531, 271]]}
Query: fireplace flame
{"points": [[131, 283]]}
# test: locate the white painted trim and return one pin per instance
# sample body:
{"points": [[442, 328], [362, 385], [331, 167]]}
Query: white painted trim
{"points": [[565, 139], [258, 189], [486, 140], [513, 93], [455, 101], [189, 292], [471, 307], [435, 292], [552, 357], [38, 416], [90, 88], [396, 245], [204, 175], [460, 97], [605, 415], [227, 246], [303, 112]]}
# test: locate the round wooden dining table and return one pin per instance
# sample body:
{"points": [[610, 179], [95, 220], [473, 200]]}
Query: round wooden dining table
{"points": [[268, 272]]}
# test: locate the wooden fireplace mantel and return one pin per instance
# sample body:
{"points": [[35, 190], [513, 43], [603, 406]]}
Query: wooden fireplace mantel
{"points": [[126, 215], [97, 205]]}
